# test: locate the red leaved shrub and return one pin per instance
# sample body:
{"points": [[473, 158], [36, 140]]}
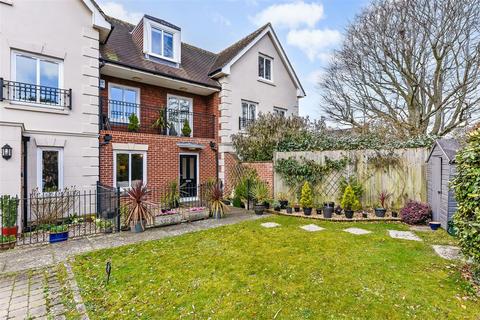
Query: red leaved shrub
{"points": [[415, 212]]}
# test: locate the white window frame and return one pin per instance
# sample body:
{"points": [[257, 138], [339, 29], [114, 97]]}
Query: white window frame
{"points": [[149, 25], [121, 86], [129, 152], [260, 77], [250, 104], [40, 167], [186, 199], [190, 116], [278, 110], [38, 58]]}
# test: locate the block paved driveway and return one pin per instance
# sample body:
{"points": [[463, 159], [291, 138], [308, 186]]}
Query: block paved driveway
{"points": [[32, 285]]}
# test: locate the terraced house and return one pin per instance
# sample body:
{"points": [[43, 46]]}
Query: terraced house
{"points": [[169, 108], [100, 99]]}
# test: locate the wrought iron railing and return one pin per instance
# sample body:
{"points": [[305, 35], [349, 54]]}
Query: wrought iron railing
{"points": [[244, 122], [124, 116], [100, 209], [35, 94]]}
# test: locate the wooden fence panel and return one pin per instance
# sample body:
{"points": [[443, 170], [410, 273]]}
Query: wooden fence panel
{"points": [[401, 172]]}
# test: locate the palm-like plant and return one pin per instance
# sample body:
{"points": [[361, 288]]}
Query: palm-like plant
{"points": [[215, 195], [138, 212]]}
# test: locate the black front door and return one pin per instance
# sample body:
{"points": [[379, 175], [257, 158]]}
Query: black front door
{"points": [[188, 175]]}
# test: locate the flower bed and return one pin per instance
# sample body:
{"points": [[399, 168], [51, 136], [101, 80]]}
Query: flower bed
{"points": [[357, 216]]}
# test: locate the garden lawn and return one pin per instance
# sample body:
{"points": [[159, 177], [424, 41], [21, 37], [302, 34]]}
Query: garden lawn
{"points": [[245, 271]]}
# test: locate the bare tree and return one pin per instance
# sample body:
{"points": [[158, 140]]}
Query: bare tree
{"points": [[412, 65]]}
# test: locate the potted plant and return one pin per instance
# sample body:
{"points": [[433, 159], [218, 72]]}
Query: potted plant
{"points": [[172, 131], [276, 205], [383, 197], [138, 211], [260, 194], [7, 242], [283, 200], [133, 123], [58, 233], [434, 225], [318, 203], [364, 214], [215, 197], [328, 208], [338, 210], [161, 123], [186, 130], [8, 208], [350, 202], [105, 225], [394, 214], [306, 199]]}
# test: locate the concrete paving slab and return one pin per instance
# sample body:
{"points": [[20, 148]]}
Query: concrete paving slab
{"points": [[404, 235], [312, 228], [357, 231], [448, 252]]}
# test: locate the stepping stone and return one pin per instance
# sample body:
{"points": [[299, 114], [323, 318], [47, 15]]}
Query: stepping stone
{"points": [[312, 228], [357, 231], [421, 228], [448, 252], [270, 225], [405, 235]]}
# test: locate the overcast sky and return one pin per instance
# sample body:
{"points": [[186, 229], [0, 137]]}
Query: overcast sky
{"points": [[307, 30]]}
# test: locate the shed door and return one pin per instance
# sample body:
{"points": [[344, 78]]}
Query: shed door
{"points": [[436, 187]]}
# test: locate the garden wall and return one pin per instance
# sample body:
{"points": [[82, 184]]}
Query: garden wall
{"points": [[264, 170], [401, 172]]}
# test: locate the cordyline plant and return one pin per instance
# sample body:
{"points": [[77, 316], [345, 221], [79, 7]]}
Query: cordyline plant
{"points": [[215, 200], [138, 210], [383, 197]]}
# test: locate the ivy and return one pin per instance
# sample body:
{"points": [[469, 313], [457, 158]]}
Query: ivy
{"points": [[467, 193], [295, 172]]}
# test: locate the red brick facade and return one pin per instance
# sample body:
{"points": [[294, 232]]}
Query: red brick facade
{"points": [[163, 155], [264, 170]]}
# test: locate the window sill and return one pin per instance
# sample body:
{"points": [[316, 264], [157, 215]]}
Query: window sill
{"points": [[37, 108], [269, 82]]}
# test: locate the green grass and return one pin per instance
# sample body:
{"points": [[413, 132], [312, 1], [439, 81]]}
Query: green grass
{"points": [[245, 271]]}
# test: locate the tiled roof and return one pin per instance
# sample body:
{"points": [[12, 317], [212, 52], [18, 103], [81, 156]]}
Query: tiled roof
{"points": [[229, 53], [121, 49], [196, 64]]}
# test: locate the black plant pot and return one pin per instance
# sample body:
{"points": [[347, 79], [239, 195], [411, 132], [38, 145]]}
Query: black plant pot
{"points": [[327, 212], [259, 209], [278, 208], [338, 210], [307, 211], [266, 205], [329, 204], [283, 204], [319, 210], [380, 212], [394, 214], [289, 209], [297, 209], [365, 215], [349, 214]]}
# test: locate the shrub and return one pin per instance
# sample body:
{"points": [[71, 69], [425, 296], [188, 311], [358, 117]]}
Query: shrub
{"points": [[186, 130], [350, 200], [9, 209], [133, 123], [306, 200], [466, 185], [237, 202], [415, 212], [260, 192], [357, 187]]}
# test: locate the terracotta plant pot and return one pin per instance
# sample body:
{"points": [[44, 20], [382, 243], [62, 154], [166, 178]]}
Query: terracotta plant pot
{"points": [[7, 245]]}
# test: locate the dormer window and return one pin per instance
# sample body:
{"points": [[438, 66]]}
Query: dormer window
{"points": [[162, 43], [161, 40]]}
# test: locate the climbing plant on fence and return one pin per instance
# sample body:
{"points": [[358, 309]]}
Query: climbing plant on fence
{"points": [[295, 172], [467, 193]]}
